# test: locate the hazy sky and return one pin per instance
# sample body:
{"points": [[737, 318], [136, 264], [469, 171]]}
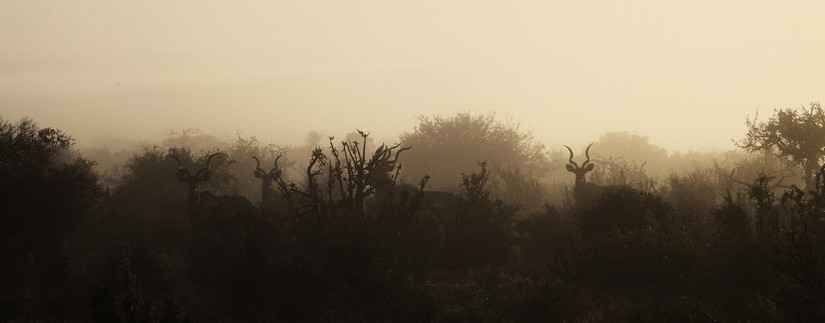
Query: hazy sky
{"points": [[684, 73]]}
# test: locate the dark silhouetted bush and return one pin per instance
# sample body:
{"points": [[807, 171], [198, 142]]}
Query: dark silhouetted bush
{"points": [[46, 190]]}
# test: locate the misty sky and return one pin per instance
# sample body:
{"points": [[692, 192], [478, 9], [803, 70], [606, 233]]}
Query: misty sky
{"points": [[684, 73]]}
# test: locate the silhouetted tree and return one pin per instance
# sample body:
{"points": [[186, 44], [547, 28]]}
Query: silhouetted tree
{"points": [[478, 232], [797, 134], [191, 138], [446, 147], [695, 196], [630, 146], [142, 221], [46, 190], [802, 260]]}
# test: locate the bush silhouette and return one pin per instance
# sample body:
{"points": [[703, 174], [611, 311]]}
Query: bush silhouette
{"points": [[46, 190]]}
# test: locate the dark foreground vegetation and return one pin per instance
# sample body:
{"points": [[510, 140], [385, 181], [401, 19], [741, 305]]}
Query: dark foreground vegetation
{"points": [[341, 238]]}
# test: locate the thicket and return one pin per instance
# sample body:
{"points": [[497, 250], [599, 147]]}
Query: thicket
{"points": [[351, 241]]}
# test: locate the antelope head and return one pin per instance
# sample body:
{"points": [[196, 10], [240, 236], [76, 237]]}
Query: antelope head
{"points": [[263, 174], [377, 176], [579, 171], [383, 163], [267, 194], [202, 175]]}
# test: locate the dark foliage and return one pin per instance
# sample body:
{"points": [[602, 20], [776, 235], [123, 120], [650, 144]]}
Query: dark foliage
{"points": [[448, 147], [797, 134], [352, 242], [45, 192], [802, 258], [478, 233]]}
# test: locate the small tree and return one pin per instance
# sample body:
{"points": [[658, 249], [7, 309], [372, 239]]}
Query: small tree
{"points": [[801, 294], [633, 149], [446, 147], [797, 135], [478, 232]]}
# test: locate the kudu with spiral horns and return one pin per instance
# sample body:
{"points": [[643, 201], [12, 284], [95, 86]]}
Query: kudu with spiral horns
{"points": [[196, 196], [194, 181], [267, 178], [584, 193]]}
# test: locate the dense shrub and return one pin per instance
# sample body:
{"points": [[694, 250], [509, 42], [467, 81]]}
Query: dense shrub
{"points": [[46, 191], [356, 243]]}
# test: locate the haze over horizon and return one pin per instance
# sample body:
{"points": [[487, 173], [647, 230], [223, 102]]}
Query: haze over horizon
{"points": [[684, 74]]}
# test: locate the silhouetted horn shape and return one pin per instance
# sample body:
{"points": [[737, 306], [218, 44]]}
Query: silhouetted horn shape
{"points": [[205, 173], [180, 165], [261, 172], [399, 153], [209, 160], [183, 174], [258, 166], [587, 154], [276, 164], [571, 157]]}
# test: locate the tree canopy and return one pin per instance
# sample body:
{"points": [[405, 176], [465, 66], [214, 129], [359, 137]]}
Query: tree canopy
{"points": [[798, 135], [446, 147], [40, 175], [348, 244], [45, 191]]}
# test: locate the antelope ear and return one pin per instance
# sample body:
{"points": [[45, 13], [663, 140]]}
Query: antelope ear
{"points": [[588, 168], [570, 168]]}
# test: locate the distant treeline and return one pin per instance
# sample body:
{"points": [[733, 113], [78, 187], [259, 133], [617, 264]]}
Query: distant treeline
{"points": [[350, 230]]}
